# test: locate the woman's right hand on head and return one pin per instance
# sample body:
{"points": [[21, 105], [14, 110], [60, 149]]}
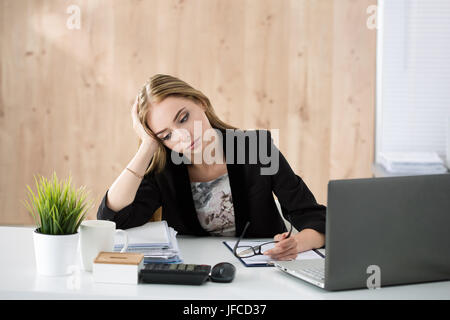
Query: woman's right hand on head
{"points": [[138, 127]]}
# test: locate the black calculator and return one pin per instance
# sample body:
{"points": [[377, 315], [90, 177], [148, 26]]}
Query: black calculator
{"points": [[168, 273]]}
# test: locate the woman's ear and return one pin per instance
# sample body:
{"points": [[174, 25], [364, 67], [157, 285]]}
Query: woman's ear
{"points": [[203, 107]]}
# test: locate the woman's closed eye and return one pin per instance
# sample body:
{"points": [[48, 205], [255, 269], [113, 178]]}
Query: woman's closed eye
{"points": [[169, 135]]}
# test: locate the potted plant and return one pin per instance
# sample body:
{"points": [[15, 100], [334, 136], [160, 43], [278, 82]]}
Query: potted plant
{"points": [[57, 209]]}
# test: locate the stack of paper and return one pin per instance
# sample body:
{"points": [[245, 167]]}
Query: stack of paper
{"points": [[412, 162], [155, 240]]}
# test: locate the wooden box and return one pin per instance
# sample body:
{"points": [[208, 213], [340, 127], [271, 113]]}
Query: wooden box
{"points": [[116, 267]]}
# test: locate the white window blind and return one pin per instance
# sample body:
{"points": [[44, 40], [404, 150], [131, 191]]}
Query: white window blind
{"points": [[413, 76]]}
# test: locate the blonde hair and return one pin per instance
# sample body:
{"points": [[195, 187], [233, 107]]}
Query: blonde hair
{"points": [[156, 89]]}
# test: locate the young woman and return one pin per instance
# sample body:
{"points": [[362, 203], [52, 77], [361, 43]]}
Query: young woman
{"points": [[177, 127]]}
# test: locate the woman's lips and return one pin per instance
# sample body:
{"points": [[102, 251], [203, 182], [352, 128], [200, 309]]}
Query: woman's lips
{"points": [[193, 144]]}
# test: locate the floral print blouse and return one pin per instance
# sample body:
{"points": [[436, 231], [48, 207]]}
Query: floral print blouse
{"points": [[214, 206]]}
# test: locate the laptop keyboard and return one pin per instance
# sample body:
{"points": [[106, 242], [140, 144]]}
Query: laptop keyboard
{"points": [[316, 273], [312, 271]]}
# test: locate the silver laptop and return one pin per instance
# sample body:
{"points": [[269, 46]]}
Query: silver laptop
{"points": [[381, 232]]}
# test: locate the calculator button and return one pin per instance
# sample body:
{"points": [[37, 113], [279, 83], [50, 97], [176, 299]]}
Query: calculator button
{"points": [[190, 267], [175, 273]]}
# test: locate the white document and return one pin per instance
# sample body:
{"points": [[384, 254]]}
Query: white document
{"points": [[261, 259], [411, 157], [155, 240], [151, 234], [412, 162]]}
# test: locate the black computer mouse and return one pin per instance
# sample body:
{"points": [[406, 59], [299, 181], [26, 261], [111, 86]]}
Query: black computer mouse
{"points": [[223, 272]]}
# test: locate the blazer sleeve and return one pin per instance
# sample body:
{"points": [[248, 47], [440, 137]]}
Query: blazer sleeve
{"points": [[137, 213], [294, 195]]}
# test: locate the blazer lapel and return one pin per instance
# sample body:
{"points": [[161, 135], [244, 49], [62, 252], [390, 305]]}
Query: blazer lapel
{"points": [[238, 183], [185, 201], [236, 176]]}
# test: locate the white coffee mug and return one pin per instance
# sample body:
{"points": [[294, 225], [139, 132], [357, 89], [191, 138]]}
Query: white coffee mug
{"points": [[97, 236]]}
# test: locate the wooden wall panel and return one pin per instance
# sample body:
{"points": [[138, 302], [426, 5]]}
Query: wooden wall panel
{"points": [[305, 67], [352, 129]]}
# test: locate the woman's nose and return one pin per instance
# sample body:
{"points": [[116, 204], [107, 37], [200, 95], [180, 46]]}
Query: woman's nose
{"points": [[182, 135]]}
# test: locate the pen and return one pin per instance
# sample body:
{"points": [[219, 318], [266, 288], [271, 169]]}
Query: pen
{"points": [[319, 253]]}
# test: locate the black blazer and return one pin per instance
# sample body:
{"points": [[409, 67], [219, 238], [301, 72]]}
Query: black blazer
{"points": [[251, 194]]}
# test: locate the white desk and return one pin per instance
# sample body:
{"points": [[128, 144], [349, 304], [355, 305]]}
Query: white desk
{"points": [[18, 279]]}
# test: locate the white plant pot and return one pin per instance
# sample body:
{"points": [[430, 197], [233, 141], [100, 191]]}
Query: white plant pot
{"points": [[55, 254]]}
